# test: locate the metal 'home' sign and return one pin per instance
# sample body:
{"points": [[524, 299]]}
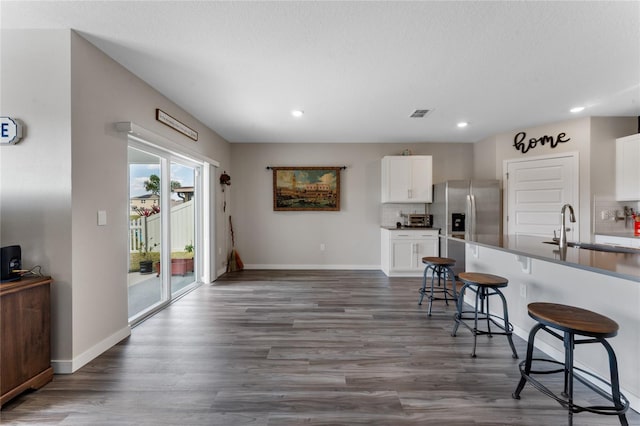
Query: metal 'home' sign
{"points": [[522, 146]]}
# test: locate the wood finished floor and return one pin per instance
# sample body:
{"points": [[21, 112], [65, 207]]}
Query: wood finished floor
{"points": [[298, 348]]}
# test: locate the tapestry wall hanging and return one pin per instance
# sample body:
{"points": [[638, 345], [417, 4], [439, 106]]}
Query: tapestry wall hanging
{"points": [[306, 188]]}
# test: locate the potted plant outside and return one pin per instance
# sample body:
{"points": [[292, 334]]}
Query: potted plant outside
{"points": [[180, 265], [146, 264], [189, 260]]}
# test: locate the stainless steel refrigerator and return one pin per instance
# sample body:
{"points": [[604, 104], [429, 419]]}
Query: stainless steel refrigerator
{"points": [[469, 209]]}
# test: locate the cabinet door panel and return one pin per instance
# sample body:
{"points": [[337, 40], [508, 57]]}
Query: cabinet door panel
{"points": [[407, 179], [35, 307], [402, 256], [399, 179], [12, 371], [428, 248], [421, 179], [627, 170]]}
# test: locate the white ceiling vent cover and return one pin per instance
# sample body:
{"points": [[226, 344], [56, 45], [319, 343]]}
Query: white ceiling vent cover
{"points": [[420, 113]]}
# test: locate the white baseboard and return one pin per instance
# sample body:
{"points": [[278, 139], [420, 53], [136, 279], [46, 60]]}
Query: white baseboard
{"points": [[405, 274], [322, 266], [70, 366]]}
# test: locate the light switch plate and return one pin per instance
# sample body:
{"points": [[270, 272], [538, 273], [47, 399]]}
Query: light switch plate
{"points": [[102, 217]]}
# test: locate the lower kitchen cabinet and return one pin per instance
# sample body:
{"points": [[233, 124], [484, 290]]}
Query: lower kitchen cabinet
{"points": [[403, 250]]}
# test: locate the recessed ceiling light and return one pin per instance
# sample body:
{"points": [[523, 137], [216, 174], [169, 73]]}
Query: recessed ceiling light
{"points": [[297, 113], [463, 124], [576, 109]]}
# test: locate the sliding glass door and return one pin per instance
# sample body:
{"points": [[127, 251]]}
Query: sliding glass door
{"points": [[183, 221], [145, 288], [164, 225]]}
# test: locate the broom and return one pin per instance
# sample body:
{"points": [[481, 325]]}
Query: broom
{"points": [[234, 263]]}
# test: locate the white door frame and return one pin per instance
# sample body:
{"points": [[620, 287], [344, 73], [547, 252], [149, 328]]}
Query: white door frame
{"points": [[575, 155], [147, 138]]}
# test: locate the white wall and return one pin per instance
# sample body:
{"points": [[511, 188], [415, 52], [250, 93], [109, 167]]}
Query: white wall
{"points": [[35, 175], [103, 92], [71, 164], [484, 159], [265, 238], [591, 137]]}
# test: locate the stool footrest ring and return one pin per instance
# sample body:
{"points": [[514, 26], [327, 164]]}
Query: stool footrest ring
{"points": [[575, 408], [484, 317]]}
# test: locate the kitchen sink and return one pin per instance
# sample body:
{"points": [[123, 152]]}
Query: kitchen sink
{"points": [[598, 247]]}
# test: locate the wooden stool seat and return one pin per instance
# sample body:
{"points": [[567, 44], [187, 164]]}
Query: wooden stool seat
{"points": [[484, 286], [572, 319], [441, 273], [488, 280], [592, 328], [443, 261]]}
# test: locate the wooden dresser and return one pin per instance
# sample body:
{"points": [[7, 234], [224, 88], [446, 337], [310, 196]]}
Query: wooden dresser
{"points": [[25, 336]]}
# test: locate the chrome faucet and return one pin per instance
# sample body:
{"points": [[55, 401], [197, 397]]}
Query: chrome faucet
{"points": [[563, 232]]}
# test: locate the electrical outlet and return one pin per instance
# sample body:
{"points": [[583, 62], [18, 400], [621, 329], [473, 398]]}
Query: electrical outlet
{"points": [[523, 290], [322, 247], [608, 214]]}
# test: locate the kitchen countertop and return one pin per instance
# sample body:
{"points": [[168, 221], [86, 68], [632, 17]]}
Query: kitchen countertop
{"points": [[623, 265], [410, 228], [625, 234]]}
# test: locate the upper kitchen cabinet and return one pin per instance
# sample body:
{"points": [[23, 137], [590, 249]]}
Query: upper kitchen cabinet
{"points": [[627, 170], [407, 179]]}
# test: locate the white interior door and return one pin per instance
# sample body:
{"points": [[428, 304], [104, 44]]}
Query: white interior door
{"points": [[537, 188]]}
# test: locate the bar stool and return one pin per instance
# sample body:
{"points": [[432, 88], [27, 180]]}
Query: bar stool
{"points": [[440, 267], [484, 286], [572, 321]]}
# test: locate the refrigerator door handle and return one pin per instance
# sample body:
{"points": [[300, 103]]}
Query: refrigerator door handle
{"points": [[474, 233], [469, 212]]}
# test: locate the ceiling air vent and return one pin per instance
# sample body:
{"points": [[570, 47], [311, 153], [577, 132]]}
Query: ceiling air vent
{"points": [[420, 113]]}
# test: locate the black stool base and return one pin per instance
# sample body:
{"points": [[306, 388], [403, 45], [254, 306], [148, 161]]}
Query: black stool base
{"points": [[442, 272], [620, 404], [563, 399], [481, 315]]}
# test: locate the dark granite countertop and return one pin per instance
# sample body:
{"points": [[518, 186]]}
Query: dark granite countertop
{"points": [[623, 265], [410, 228]]}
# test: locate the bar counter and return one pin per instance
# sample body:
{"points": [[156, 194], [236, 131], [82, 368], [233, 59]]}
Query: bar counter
{"points": [[622, 265], [603, 282]]}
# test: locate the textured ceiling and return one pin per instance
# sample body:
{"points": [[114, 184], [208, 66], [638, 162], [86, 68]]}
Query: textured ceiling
{"points": [[359, 69]]}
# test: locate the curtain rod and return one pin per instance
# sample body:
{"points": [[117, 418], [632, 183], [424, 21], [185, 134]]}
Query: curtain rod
{"points": [[302, 167]]}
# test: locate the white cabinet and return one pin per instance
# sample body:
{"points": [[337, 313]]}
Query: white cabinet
{"points": [[403, 250], [627, 170], [407, 179]]}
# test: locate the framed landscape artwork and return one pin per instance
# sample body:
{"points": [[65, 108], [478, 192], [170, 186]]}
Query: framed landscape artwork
{"points": [[306, 188]]}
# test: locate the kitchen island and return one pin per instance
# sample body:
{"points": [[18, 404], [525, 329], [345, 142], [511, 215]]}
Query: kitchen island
{"points": [[604, 282], [622, 265]]}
